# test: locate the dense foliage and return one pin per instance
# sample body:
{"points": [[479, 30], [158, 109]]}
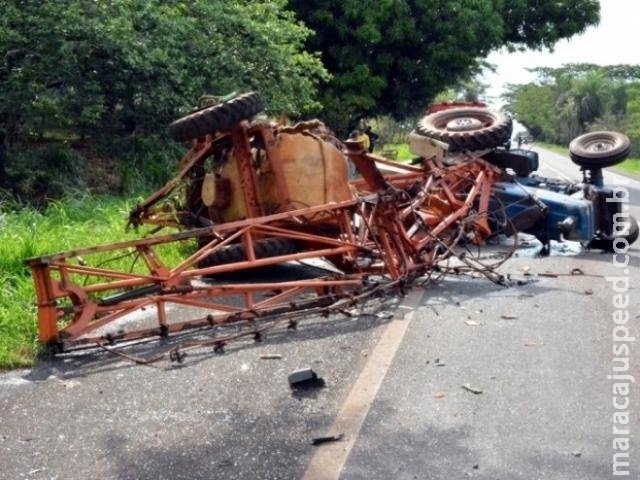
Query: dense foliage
{"points": [[85, 82], [392, 57], [576, 98], [117, 69]]}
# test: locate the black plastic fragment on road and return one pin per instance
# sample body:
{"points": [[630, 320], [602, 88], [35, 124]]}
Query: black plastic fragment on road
{"points": [[327, 439], [305, 379]]}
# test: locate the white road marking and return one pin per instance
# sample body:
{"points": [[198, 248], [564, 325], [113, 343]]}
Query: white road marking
{"points": [[330, 458]]}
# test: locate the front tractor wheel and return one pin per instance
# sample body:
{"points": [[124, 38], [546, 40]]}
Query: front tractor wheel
{"points": [[599, 149]]}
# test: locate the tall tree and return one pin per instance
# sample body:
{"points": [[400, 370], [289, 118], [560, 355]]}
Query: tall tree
{"points": [[393, 56], [535, 107], [122, 67]]}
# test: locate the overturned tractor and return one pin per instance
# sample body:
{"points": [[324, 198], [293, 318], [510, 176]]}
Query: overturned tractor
{"points": [[251, 195]]}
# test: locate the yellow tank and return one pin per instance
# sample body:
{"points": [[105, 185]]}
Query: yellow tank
{"points": [[297, 171]]}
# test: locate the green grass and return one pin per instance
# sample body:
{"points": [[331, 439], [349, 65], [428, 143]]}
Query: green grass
{"points": [[399, 150], [24, 233]]}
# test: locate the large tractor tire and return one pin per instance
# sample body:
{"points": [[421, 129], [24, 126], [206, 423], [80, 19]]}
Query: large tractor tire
{"points": [[216, 118], [268, 247], [467, 128], [599, 149]]}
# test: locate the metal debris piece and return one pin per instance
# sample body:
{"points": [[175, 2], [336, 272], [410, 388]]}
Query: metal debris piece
{"points": [[472, 323], [270, 356], [549, 274], [471, 389], [506, 316], [575, 272], [439, 395]]}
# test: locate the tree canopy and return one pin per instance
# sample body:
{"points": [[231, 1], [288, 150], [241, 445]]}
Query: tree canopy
{"points": [[394, 56], [124, 67], [120, 71]]}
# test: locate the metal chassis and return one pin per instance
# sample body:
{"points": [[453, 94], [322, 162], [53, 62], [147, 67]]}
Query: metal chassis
{"points": [[399, 226]]}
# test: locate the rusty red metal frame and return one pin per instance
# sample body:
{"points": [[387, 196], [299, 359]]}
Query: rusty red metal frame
{"points": [[399, 226]]}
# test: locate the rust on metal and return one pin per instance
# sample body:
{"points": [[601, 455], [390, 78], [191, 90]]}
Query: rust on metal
{"points": [[250, 198]]}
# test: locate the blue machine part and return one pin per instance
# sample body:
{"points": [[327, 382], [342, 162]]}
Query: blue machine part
{"points": [[560, 216]]}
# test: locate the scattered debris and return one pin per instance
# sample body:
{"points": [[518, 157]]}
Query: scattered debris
{"points": [[576, 454], [439, 395], [305, 378], [270, 356], [471, 389], [508, 317], [438, 363], [327, 439], [472, 323], [573, 273], [588, 291], [531, 344]]}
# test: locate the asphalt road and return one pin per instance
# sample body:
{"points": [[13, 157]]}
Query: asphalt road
{"points": [[461, 379]]}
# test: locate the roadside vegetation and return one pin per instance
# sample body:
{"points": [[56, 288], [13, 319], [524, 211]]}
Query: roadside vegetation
{"points": [[566, 102], [27, 232]]}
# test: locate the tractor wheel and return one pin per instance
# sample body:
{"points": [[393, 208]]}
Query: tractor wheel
{"points": [[608, 243], [599, 149], [268, 247], [216, 118], [470, 128]]}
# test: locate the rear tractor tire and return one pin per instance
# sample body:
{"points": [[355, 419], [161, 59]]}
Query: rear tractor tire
{"points": [[467, 128], [216, 118], [265, 248]]}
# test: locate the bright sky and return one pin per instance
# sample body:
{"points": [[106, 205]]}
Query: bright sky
{"points": [[612, 42]]}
